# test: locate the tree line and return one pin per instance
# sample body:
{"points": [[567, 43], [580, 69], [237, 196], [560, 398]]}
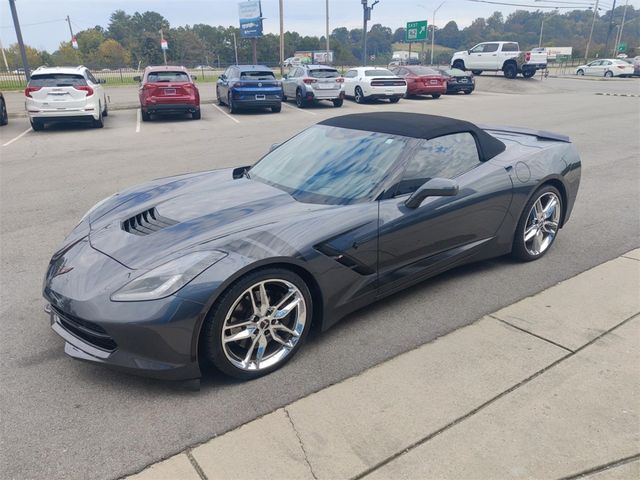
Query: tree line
{"points": [[134, 41]]}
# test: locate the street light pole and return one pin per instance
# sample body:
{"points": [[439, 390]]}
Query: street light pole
{"points": [[23, 52], [281, 38], [433, 30], [542, 26], [367, 16], [327, 10]]}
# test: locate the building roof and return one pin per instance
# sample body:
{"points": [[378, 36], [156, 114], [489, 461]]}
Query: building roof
{"points": [[418, 125]]}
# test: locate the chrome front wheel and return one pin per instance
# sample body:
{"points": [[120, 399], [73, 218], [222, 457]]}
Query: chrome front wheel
{"points": [[538, 226], [258, 324]]}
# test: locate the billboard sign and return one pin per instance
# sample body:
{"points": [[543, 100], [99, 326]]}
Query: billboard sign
{"points": [[558, 52], [416, 31], [323, 57], [164, 44], [250, 19]]}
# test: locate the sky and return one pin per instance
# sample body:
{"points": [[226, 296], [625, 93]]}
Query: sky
{"points": [[44, 27]]}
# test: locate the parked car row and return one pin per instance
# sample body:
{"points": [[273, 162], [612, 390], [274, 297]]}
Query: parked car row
{"points": [[73, 93]]}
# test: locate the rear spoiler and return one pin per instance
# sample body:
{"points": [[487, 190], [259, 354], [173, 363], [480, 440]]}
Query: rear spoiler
{"points": [[540, 134]]}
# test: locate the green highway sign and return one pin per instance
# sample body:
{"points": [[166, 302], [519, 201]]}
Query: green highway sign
{"points": [[416, 31], [622, 47]]}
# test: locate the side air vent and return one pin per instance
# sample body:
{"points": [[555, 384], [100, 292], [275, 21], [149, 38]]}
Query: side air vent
{"points": [[147, 222], [344, 259]]}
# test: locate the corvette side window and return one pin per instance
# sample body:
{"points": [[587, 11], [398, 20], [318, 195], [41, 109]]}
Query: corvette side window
{"points": [[442, 157]]}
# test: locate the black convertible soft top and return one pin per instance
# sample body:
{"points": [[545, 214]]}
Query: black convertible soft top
{"points": [[418, 125]]}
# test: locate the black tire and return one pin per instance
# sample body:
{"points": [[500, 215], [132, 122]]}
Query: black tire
{"points": [[338, 102], [4, 116], [37, 125], [105, 110], [468, 92], [99, 123], [146, 116], [510, 70], [608, 74], [459, 64], [435, 96], [284, 98], [580, 72], [407, 95], [394, 100], [476, 72], [300, 102], [230, 105], [211, 349], [359, 96], [519, 250], [277, 109], [528, 73], [197, 115]]}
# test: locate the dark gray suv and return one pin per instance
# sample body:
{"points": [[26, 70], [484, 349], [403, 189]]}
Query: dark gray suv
{"points": [[309, 83]]}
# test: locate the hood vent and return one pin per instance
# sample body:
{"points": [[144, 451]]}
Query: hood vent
{"points": [[147, 222]]}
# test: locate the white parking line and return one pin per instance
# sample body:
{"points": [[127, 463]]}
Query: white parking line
{"points": [[17, 138], [138, 117], [224, 113], [299, 109]]}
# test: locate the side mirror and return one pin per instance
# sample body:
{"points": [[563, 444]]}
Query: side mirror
{"points": [[435, 187], [273, 147], [285, 76], [137, 78], [102, 80], [223, 77], [193, 77]]}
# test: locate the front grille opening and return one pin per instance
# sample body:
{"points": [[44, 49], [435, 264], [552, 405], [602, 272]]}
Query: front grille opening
{"points": [[147, 222], [87, 331]]}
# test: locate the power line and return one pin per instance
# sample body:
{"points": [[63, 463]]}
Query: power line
{"points": [[554, 7], [37, 23]]}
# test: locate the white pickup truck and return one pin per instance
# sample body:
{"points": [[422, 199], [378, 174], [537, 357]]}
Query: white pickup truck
{"points": [[496, 56]]}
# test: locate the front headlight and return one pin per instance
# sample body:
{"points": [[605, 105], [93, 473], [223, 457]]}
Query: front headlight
{"points": [[168, 278], [95, 207]]}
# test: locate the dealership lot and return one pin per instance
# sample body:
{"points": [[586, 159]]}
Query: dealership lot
{"points": [[64, 418]]}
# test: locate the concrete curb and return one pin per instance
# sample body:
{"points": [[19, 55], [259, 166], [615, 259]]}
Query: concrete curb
{"points": [[521, 391]]}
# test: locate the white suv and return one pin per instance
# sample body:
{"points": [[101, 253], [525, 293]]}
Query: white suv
{"points": [[64, 93]]}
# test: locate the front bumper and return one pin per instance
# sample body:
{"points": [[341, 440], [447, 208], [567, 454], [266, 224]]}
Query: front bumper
{"points": [[154, 338]]}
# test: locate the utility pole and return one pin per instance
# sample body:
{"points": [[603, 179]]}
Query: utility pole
{"points": [[593, 22], [281, 38], [69, 23], [164, 52], [327, 10], [23, 52], [367, 16], [606, 43], [542, 26], [433, 30], [235, 46], [624, 16], [72, 37], [4, 57]]}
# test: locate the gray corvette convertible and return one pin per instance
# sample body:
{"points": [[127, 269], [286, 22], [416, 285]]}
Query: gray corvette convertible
{"points": [[232, 268]]}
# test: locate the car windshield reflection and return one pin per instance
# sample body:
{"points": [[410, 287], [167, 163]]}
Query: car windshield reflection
{"points": [[331, 165]]}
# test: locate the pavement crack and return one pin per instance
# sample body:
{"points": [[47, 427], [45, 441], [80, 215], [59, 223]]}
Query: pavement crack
{"points": [[602, 468], [304, 451], [532, 334], [196, 466]]}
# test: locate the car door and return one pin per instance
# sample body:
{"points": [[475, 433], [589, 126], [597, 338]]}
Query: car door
{"points": [[416, 242], [350, 82], [592, 68], [605, 66], [475, 57], [286, 82], [221, 89], [489, 59]]}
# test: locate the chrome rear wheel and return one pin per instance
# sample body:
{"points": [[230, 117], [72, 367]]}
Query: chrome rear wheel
{"points": [[542, 224]]}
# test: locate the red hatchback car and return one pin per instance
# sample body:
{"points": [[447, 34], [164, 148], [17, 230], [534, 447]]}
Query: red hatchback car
{"points": [[422, 80], [168, 90]]}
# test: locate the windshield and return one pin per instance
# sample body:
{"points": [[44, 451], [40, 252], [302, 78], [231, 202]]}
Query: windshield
{"points": [[57, 80], [258, 75], [330, 165], [378, 73], [324, 73], [157, 77]]}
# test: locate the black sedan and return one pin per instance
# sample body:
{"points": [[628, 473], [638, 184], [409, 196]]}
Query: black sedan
{"points": [[232, 267], [459, 81]]}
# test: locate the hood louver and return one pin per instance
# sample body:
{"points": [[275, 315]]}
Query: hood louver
{"points": [[147, 222]]}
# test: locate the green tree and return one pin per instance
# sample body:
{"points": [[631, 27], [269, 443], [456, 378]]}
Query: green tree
{"points": [[113, 55]]}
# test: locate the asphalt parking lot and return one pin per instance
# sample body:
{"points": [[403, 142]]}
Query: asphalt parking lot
{"points": [[64, 419]]}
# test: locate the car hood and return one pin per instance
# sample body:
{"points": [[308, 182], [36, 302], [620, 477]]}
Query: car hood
{"points": [[461, 52], [188, 212]]}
